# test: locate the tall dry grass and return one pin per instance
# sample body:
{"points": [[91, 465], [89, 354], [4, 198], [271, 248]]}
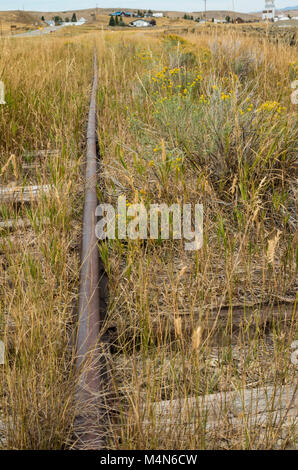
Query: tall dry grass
{"points": [[197, 119], [200, 119], [42, 141]]}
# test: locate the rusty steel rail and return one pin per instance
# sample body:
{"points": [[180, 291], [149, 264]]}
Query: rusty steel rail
{"points": [[88, 362]]}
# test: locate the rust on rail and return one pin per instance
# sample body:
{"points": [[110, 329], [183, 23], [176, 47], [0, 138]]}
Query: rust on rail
{"points": [[88, 362]]}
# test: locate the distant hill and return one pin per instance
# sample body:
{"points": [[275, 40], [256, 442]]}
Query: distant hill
{"points": [[89, 14], [289, 8], [222, 14], [29, 18], [19, 17], [22, 20], [283, 10]]}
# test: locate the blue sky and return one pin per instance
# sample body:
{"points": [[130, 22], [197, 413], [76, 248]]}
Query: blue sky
{"points": [[185, 5]]}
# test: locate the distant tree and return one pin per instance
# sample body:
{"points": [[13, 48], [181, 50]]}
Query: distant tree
{"points": [[42, 18], [150, 12], [188, 17], [212, 20], [117, 20], [74, 18], [153, 22], [228, 19], [58, 20], [121, 22], [112, 21], [66, 20]]}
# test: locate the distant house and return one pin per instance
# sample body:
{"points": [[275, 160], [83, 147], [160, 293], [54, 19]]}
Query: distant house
{"points": [[157, 15], [80, 22], [121, 13], [140, 23], [50, 22]]}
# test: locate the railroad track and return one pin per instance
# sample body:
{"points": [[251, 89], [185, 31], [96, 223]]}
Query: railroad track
{"points": [[91, 362], [90, 357]]}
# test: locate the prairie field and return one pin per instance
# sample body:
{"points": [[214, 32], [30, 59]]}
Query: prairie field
{"points": [[199, 118]]}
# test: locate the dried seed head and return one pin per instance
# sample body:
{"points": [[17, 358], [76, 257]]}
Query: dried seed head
{"points": [[181, 274], [196, 338], [272, 244], [234, 184], [178, 327]]}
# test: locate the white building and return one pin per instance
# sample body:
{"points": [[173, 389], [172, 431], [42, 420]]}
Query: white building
{"points": [[140, 23], [157, 15], [74, 23], [269, 11]]}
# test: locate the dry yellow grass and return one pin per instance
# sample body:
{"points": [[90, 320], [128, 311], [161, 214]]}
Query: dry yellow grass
{"points": [[43, 126], [197, 118], [205, 117]]}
